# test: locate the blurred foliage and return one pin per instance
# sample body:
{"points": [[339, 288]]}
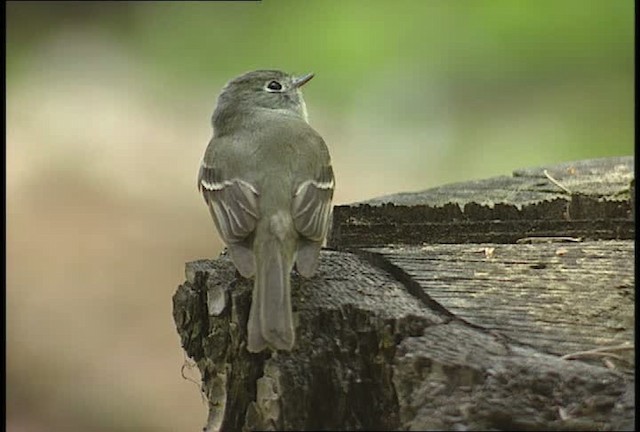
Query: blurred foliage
{"points": [[484, 55], [477, 40]]}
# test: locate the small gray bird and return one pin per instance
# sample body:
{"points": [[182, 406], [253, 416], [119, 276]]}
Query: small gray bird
{"points": [[266, 177]]}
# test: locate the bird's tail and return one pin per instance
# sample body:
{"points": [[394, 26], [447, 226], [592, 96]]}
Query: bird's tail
{"points": [[270, 319]]}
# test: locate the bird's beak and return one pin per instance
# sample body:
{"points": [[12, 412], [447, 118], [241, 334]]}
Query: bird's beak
{"points": [[300, 81]]}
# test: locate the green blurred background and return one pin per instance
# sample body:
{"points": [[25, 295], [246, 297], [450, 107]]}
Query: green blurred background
{"points": [[108, 108]]}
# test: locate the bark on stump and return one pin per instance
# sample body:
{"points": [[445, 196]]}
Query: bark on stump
{"points": [[501, 304]]}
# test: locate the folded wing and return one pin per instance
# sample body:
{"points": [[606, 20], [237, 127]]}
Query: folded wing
{"points": [[311, 211], [233, 204]]}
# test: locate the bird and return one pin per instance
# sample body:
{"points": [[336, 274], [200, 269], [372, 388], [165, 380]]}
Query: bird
{"points": [[267, 179]]}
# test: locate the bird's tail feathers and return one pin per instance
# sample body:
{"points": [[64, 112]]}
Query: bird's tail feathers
{"points": [[271, 318]]}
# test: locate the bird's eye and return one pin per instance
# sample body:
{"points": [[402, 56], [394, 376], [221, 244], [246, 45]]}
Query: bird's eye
{"points": [[274, 86]]}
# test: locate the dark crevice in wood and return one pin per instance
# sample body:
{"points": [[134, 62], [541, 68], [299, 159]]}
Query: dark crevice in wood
{"points": [[379, 261]]}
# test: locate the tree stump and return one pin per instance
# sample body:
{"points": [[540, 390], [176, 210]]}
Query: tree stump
{"points": [[500, 304]]}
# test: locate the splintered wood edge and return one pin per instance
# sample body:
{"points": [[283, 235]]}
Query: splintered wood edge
{"points": [[599, 205]]}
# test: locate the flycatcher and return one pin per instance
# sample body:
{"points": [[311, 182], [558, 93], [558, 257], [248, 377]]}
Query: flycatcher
{"points": [[266, 177]]}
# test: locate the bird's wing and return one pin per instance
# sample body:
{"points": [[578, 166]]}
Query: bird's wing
{"points": [[311, 206], [311, 210], [233, 203]]}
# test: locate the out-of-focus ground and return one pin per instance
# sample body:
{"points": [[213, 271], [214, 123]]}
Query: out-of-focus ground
{"points": [[108, 111]]}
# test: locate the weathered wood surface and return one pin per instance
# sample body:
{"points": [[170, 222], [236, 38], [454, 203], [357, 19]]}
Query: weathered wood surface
{"points": [[556, 297], [435, 336], [597, 204]]}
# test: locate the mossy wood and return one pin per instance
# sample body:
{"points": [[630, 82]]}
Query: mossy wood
{"points": [[502, 304]]}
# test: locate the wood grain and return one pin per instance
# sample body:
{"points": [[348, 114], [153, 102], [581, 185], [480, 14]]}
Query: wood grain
{"points": [[556, 297]]}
